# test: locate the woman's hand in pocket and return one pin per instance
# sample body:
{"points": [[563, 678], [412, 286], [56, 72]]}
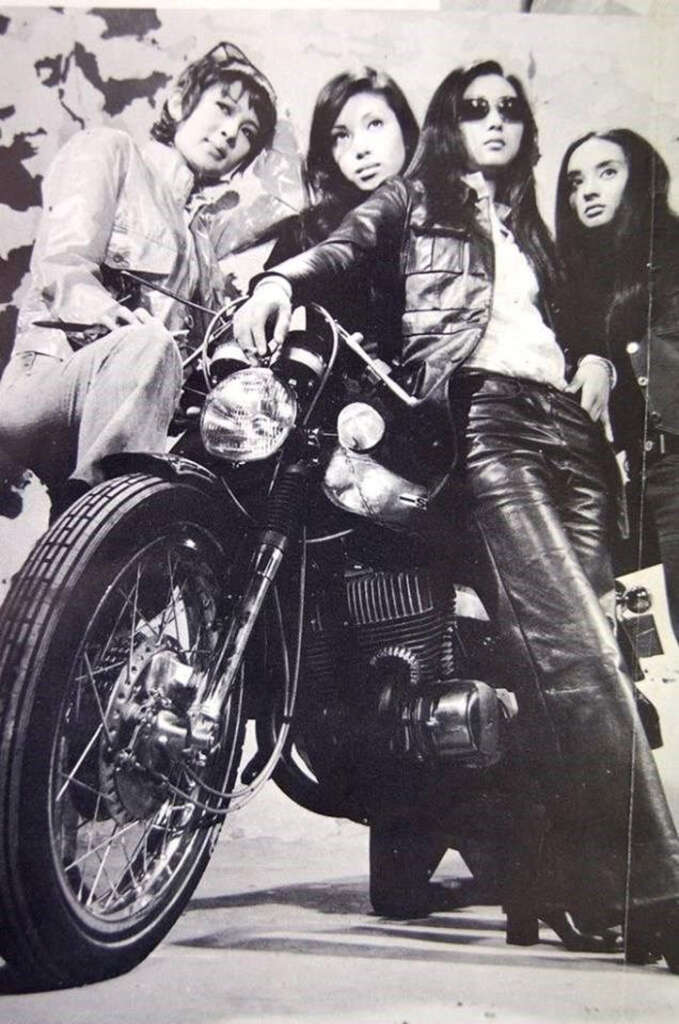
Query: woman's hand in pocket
{"points": [[593, 380]]}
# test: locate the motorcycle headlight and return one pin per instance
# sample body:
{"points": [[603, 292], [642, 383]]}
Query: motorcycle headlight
{"points": [[360, 427], [248, 416], [357, 483]]}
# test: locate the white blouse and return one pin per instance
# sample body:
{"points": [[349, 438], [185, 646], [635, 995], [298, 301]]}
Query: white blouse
{"points": [[517, 342]]}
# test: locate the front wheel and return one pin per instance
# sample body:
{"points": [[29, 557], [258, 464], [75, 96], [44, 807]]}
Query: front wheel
{"points": [[102, 837]]}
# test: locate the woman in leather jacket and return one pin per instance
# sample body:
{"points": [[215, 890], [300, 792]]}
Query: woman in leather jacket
{"points": [[472, 267], [95, 368], [363, 131], [620, 245]]}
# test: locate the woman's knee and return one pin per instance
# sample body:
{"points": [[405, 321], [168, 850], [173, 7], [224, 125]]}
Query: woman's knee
{"points": [[153, 352], [30, 394]]}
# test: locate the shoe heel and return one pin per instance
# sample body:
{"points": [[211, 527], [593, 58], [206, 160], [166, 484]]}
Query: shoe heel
{"points": [[522, 927]]}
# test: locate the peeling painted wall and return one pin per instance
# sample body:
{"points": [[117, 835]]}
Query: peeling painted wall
{"points": [[63, 69]]}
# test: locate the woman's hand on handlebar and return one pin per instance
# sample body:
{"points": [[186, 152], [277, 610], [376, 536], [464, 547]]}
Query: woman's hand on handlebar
{"points": [[268, 310]]}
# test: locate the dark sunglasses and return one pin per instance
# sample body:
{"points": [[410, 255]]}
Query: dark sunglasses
{"points": [[510, 108]]}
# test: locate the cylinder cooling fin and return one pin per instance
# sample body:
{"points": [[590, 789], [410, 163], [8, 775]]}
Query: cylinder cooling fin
{"points": [[388, 596]]}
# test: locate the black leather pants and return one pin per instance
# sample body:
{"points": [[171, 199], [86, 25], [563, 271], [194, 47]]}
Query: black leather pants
{"points": [[533, 479]]}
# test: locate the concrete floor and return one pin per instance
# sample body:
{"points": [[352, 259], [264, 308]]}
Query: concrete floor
{"points": [[280, 930]]}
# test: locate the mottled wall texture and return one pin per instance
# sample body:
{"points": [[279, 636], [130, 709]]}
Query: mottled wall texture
{"points": [[64, 69]]}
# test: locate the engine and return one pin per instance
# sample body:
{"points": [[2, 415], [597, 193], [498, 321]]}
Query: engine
{"points": [[402, 650]]}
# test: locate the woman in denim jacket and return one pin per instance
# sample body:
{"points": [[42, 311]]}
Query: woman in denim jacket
{"points": [[474, 272], [108, 380]]}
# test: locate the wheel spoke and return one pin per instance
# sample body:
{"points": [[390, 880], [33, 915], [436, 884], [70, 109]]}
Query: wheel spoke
{"points": [[138, 621], [170, 570], [97, 698], [118, 830], [114, 631], [116, 858], [85, 787], [100, 870], [113, 668], [70, 776], [128, 874]]}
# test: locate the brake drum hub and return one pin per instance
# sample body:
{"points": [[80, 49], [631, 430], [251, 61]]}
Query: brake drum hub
{"points": [[130, 791]]}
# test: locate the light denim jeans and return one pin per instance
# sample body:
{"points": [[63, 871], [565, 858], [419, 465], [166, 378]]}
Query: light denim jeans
{"points": [[60, 417]]}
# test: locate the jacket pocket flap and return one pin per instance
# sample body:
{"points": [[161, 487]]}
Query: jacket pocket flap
{"points": [[129, 250]]}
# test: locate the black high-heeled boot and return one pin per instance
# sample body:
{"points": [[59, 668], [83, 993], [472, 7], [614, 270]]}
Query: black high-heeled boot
{"points": [[653, 932], [523, 929]]}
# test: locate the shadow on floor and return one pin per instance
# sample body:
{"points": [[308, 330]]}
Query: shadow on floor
{"points": [[334, 897], [451, 933], [350, 897], [341, 944]]}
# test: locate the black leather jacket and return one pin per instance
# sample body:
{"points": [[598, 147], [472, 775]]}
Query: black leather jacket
{"points": [[436, 273], [655, 356], [646, 360], [368, 308], [440, 277]]}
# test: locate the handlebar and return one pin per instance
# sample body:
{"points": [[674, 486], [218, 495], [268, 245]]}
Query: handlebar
{"points": [[221, 323]]}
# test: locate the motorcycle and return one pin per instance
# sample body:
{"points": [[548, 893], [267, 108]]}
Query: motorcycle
{"points": [[275, 571]]}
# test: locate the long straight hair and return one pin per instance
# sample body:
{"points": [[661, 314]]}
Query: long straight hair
{"points": [[332, 195], [613, 264], [441, 160]]}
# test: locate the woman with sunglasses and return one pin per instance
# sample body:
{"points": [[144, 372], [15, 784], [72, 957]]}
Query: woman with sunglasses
{"points": [[473, 269]]}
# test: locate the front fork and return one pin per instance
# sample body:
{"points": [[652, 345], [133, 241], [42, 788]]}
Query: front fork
{"points": [[283, 520]]}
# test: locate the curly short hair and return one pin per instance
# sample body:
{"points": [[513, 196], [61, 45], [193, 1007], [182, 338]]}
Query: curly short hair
{"points": [[224, 63]]}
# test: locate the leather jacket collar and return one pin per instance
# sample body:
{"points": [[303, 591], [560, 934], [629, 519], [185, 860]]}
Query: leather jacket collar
{"points": [[473, 194], [421, 220]]}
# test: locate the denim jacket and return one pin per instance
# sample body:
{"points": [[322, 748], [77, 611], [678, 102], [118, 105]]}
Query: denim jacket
{"points": [[110, 206]]}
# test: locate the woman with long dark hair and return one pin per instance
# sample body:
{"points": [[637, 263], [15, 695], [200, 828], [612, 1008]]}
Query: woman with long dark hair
{"points": [[620, 244], [363, 131], [473, 270]]}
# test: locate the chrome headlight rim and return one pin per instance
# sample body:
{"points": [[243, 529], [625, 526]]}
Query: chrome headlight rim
{"points": [[248, 416]]}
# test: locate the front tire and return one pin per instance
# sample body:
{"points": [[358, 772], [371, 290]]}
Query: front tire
{"points": [[99, 855]]}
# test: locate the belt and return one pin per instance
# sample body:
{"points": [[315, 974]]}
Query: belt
{"points": [[471, 377]]}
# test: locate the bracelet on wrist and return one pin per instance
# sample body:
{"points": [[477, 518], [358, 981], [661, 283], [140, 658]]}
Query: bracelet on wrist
{"points": [[276, 279]]}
